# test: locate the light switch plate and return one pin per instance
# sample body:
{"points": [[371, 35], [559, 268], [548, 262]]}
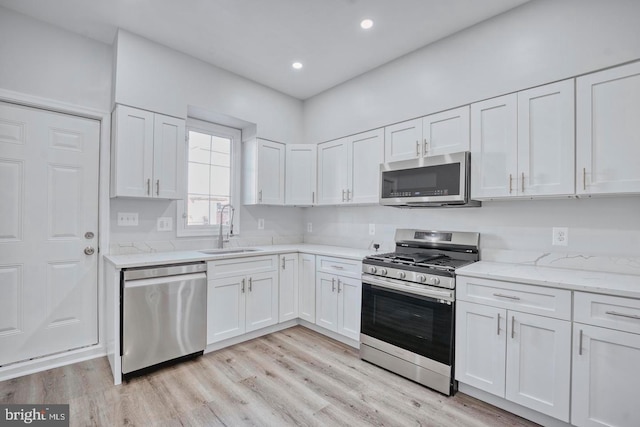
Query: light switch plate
{"points": [[260, 223], [165, 223], [309, 227], [127, 219]]}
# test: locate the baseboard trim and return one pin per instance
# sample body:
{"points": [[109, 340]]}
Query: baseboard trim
{"points": [[40, 364], [319, 329], [249, 336], [514, 408]]}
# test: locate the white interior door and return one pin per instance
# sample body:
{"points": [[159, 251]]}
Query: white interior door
{"points": [[49, 193]]}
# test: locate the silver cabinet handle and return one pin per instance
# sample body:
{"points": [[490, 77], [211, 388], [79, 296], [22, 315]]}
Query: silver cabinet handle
{"points": [[523, 182], [283, 263], [507, 296], [510, 183], [333, 285], [426, 146], [339, 283], [417, 148], [580, 344], [629, 316], [89, 250], [250, 283], [348, 194], [498, 331], [243, 285], [157, 187], [513, 326], [343, 195], [148, 186], [337, 267], [313, 197], [260, 196], [584, 179]]}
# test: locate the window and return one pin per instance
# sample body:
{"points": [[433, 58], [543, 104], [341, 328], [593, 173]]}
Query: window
{"points": [[213, 170]]}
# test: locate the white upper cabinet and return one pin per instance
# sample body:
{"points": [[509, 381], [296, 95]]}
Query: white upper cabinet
{"points": [[608, 131], [148, 154], [349, 169], [441, 133], [522, 145], [301, 174], [264, 171]]}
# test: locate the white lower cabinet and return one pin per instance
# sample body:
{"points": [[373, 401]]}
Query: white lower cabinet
{"points": [[288, 292], [522, 357], [339, 295], [307, 288], [605, 361], [242, 296]]}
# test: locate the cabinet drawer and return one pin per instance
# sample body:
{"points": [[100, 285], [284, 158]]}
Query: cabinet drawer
{"points": [[607, 311], [241, 266], [344, 267], [540, 300]]}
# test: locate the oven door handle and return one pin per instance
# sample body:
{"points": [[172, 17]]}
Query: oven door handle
{"points": [[420, 290]]}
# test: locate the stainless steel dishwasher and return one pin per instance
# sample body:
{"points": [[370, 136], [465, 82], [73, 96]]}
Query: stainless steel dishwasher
{"points": [[164, 314]]}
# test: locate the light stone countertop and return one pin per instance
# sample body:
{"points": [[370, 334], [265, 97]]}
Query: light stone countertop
{"points": [[624, 285], [161, 258]]}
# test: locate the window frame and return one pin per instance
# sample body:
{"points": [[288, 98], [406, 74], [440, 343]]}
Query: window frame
{"points": [[182, 230]]}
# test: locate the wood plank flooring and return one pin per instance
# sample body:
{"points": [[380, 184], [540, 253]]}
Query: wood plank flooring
{"points": [[294, 377]]}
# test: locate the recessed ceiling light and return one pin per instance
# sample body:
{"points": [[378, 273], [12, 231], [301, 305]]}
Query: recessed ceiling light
{"points": [[297, 65], [366, 24]]}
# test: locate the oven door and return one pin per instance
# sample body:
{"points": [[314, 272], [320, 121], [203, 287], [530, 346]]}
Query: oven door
{"points": [[421, 324]]}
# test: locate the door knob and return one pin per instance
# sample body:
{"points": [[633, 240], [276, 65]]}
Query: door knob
{"points": [[89, 250]]}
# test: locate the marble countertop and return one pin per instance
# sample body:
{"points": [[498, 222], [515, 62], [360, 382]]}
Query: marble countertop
{"points": [[159, 258], [624, 285]]}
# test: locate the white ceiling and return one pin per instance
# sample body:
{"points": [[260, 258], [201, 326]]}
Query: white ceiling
{"points": [[259, 39]]}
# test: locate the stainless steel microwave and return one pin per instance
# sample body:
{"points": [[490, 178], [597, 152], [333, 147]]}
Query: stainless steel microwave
{"points": [[438, 181]]}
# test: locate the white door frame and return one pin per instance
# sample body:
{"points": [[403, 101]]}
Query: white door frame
{"points": [[104, 117]]}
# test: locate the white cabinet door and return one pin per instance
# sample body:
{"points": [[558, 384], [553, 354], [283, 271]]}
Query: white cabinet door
{"points": [[271, 169], [494, 161], [402, 141], [481, 346], [365, 153], [301, 162], [446, 132], [605, 377], [608, 131], [262, 300], [349, 306], [333, 163], [307, 288], [225, 308], [288, 295], [326, 301], [546, 147], [169, 163], [132, 152], [538, 374]]}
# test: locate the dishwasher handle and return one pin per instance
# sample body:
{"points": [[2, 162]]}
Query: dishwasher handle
{"points": [[164, 271], [152, 281]]}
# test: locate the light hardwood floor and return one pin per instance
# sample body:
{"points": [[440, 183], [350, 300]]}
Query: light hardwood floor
{"points": [[295, 377]]}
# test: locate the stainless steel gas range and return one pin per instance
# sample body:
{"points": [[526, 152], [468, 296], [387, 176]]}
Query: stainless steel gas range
{"points": [[408, 305]]}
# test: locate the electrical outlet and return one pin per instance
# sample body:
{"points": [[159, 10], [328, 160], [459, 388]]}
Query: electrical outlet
{"points": [[309, 227], [127, 219], [372, 229], [165, 223], [260, 223], [560, 236]]}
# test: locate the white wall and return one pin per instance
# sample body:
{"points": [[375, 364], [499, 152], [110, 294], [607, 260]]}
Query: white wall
{"points": [[539, 42], [157, 78], [41, 60]]}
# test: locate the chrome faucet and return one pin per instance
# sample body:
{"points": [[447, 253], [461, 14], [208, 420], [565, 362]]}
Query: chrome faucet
{"points": [[233, 211]]}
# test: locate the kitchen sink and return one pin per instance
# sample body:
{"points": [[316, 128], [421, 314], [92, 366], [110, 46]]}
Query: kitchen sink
{"points": [[228, 251]]}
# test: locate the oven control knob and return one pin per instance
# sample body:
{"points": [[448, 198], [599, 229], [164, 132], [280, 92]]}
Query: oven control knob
{"points": [[372, 270], [402, 274], [434, 281], [421, 278], [383, 271]]}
